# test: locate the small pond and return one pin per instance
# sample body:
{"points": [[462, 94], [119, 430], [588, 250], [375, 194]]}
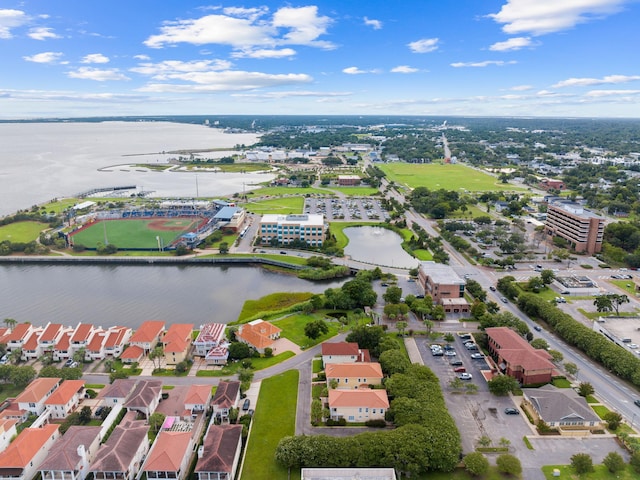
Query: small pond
{"points": [[378, 246]]}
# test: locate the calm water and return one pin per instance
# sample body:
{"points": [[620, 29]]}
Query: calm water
{"points": [[128, 295], [378, 246], [42, 161]]}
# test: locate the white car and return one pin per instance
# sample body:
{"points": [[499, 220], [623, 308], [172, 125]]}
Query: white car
{"points": [[450, 353], [465, 376], [477, 356], [633, 345]]}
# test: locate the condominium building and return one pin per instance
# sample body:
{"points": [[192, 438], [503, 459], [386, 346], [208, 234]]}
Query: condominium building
{"points": [[288, 228], [444, 285], [583, 229]]}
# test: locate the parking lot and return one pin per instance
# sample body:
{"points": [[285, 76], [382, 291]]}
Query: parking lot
{"points": [[354, 208]]}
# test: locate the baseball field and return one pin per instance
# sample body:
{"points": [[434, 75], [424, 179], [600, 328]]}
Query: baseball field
{"points": [[135, 233]]}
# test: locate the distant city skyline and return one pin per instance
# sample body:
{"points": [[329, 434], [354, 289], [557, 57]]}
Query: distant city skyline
{"points": [[558, 58]]}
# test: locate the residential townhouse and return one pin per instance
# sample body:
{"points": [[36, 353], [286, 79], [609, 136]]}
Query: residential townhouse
{"points": [[65, 399], [62, 350], [353, 376], [358, 405], [31, 346], [71, 455], [226, 397], [198, 398], [117, 338], [50, 337], [170, 456], [122, 455], [7, 432], [95, 348], [34, 396], [82, 336], [16, 338], [117, 392], [177, 343], [145, 397], [22, 457], [219, 455], [258, 334], [343, 352]]}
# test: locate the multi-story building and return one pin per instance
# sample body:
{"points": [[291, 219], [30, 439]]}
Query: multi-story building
{"points": [[584, 230], [444, 285], [285, 229]]}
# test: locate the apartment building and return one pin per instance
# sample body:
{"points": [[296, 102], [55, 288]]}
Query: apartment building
{"points": [[285, 229], [584, 230]]}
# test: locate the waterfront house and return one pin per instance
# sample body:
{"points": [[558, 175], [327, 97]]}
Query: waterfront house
{"points": [[219, 454], [49, 338], [18, 336], [65, 399], [358, 405], [218, 355], [258, 334], [34, 396], [148, 335], [31, 347], [95, 349], [353, 375], [226, 397], [121, 456], [210, 336], [132, 354], [22, 457], [7, 432], [117, 338], [70, 456], [177, 343], [81, 336], [170, 456]]}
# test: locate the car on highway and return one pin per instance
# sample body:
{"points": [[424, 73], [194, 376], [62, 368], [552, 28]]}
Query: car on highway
{"points": [[637, 402], [477, 356], [504, 300], [511, 411], [537, 328], [465, 376], [492, 288]]}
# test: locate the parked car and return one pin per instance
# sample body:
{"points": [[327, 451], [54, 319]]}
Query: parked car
{"points": [[477, 356], [472, 347], [246, 404], [437, 353], [460, 370], [455, 363], [511, 411], [4, 359], [465, 376], [450, 353]]}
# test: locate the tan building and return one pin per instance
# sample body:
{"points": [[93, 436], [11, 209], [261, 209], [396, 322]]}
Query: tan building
{"points": [[348, 180], [177, 343], [442, 283], [287, 228], [353, 376], [358, 405], [583, 229]]}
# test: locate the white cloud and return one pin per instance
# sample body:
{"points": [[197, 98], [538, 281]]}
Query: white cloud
{"points": [[44, 57], [358, 71], [42, 33], [586, 82], [293, 93], [11, 19], [142, 57], [95, 58], [370, 22], [539, 17], [611, 93], [515, 43], [164, 70], [403, 69], [264, 53], [521, 88], [232, 80], [425, 45], [97, 74], [486, 63], [245, 29]]}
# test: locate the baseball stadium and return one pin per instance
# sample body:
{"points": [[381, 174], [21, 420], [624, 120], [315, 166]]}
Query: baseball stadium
{"points": [[160, 228]]}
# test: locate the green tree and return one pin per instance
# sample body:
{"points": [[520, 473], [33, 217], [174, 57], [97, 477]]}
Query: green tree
{"points": [[539, 344], [502, 385], [617, 301], [15, 356], [316, 411], [547, 276], [582, 463], [316, 328], [401, 326], [155, 421], [392, 295], [504, 442], [10, 323], [585, 389], [393, 361], [156, 355], [85, 415], [634, 461], [484, 441], [239, 350], [118, 374], [21, 376], [603, 303], [556, 356], [79, 355], [508, 464], [613, 420], [614, 462], [223, 248], [182, 367], [476, 464], [438, 313], [571, 368], [50, 371]]}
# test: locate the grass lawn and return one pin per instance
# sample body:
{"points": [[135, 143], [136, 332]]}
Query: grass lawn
{"points": [[317, 365], [473, 211], [600, 473], [293, 329], [592, 399], [278, 191], [256, 364], [561, 383], [595, 315], [236, 167], [449, 177], [274, 301], [355, 191], [600, 410], [337, 229], [21, 232], [282, 205], [9, 390], [628, 285], [274, 418], [423, 255], [546, 293]]}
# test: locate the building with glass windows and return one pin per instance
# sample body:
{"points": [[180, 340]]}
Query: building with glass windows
{"points": [[288, 228]]}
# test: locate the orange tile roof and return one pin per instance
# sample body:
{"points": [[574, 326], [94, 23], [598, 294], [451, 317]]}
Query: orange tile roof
{"points": [[97, 341], [65, 392], [178, 337], [354, 370], [358, 398], [64, 342], [37, 389], [21, 451], [51, 332], [18, 332], [116, 335], [257, 333], [6, 424], [132, 352], [168, 451], [82, 332], [198, 395], [32, 342], [4, 334], [148, 331], [340, 348]]}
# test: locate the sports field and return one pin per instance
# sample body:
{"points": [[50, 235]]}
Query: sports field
{"points": [[21, 232], [135, 233], [447, 176]]}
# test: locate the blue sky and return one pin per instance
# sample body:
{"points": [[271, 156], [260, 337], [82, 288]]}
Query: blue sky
{"points": [[568, 58]]}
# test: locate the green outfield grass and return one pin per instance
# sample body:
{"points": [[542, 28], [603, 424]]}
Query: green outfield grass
{"points": [[135, 233], [282, 205], [278, 191], [449, 177], [21, 232]]}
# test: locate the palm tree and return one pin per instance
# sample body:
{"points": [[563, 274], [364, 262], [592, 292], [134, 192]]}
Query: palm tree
{"points": [[10, 323]]}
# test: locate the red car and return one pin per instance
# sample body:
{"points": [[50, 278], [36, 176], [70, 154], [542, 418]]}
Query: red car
{"points": [[459, 369]]}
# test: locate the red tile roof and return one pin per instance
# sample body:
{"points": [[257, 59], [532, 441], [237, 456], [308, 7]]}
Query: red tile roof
{"points": [[32, 342], [211, 333], [21, 451], [177, 338], [226, 394], [219, 449], [354, 370], [148, 331], [340, 348], [97, 341], [116, 336], [257, 333], [198, 395], [65, 392], [132, 352], [358, 398], [64, 342], [168, 451], [19, 332], [51, 332], [82, 332], [37, 389]]}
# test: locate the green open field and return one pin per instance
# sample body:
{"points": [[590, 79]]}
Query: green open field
{"points": [[449, 177], [277, 191], [135, 233], [21, 232], [282, 205], [355, 191]]}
